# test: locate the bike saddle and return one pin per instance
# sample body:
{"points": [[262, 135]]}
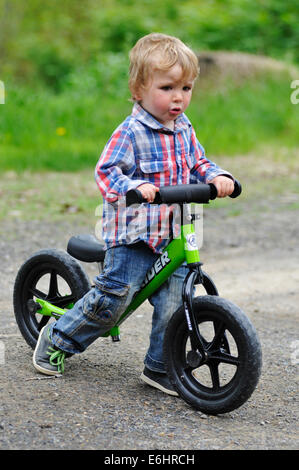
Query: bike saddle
{"points": [[86, 248]]}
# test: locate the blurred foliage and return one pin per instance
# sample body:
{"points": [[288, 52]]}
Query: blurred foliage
{"points": [[44, 42]]}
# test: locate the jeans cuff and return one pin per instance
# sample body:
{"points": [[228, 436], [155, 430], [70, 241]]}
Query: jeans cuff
{"points": [[62, 344], [152, 364]]}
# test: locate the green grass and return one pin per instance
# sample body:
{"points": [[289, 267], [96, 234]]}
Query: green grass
{"points": [[74, 196], [239, 118], [41, 130], [49, 196]]}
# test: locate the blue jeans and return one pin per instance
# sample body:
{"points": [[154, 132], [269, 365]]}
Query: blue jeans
{"points": [[100, 308]]}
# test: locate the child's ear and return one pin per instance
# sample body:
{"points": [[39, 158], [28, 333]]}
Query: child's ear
{"points": [[137, 96], [139, 91]]}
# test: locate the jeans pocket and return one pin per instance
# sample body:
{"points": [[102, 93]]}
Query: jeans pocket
{"points": [[111, 286], [115, 295], [93, 301]]}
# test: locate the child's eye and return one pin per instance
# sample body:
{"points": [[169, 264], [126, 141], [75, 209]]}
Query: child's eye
{"points": [[166, 87], [187, 88]]}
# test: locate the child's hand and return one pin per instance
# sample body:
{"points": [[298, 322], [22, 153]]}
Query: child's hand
{"points": [[148, 191], [225, 186]]}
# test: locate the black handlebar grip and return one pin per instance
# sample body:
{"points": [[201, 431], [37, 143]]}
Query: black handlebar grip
{"points": [[200, 193], [237, 191], [134, 196], [184, 193], [213, 191]]}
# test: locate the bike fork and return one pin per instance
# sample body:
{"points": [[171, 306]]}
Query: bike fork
{"points": [[197, 354]]}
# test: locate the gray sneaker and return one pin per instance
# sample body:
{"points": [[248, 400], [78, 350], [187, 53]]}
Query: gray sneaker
{"points": [[158, 380], [48, 359]]}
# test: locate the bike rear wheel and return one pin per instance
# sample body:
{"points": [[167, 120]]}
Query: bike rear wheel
{"points": [[51, 275], [229, 373]]}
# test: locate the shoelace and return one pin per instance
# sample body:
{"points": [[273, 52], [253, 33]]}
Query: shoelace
{"points": [[57, 359]]}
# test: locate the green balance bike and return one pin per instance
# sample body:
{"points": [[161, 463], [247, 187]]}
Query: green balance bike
{"points": [[212, 351]]}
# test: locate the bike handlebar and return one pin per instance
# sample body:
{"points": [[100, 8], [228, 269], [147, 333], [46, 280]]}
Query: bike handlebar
{"points": [[182, 193]]}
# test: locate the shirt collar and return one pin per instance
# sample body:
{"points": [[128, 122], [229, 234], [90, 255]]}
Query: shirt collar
{"points": [[139, 113]]}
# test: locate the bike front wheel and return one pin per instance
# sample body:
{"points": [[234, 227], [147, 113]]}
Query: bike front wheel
{"points": [[226, 376]]}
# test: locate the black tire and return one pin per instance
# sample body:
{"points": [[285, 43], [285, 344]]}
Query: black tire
{"points": [[52, 275], [233, 364]]}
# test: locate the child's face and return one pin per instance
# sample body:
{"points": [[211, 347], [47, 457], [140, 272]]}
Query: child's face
{"points": [[167, 95]]}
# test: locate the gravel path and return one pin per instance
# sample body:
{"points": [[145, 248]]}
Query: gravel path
{"points": [[100, 403]]}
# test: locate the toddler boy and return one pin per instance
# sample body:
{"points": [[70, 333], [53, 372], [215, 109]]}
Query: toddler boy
{"points": [[155, 146]]}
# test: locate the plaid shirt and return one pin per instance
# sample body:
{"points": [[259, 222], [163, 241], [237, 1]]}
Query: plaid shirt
{"points": [[142, 150]]}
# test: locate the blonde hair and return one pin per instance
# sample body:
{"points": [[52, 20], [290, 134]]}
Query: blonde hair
{"points": [[158, 51]]}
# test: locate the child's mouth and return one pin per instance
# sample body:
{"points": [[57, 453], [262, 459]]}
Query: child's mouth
{"points": [[175, 111]]}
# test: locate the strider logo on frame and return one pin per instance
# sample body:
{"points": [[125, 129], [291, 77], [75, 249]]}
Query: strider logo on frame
{"points": [[191, 243], [158, 266]]}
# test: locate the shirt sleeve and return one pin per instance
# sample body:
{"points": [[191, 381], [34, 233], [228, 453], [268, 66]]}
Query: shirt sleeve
{"points": [[116, 166], [203, 170]]}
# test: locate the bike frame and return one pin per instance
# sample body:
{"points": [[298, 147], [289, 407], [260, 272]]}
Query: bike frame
{"points": [[179, 250]]}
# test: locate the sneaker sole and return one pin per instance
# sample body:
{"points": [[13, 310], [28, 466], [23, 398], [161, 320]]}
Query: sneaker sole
{"points": [[158, 386], [36, 365]]}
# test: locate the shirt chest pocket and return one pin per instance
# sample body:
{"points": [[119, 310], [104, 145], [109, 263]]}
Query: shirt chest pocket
{"points": [[149, 167]]}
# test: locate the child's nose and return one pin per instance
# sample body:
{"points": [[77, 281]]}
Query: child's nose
{"points": [[177, 96]]}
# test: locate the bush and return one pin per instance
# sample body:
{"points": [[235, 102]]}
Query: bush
{"points": [[46, 44]]}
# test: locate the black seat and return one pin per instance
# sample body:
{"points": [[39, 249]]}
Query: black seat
{"points": [[86, 248]]}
